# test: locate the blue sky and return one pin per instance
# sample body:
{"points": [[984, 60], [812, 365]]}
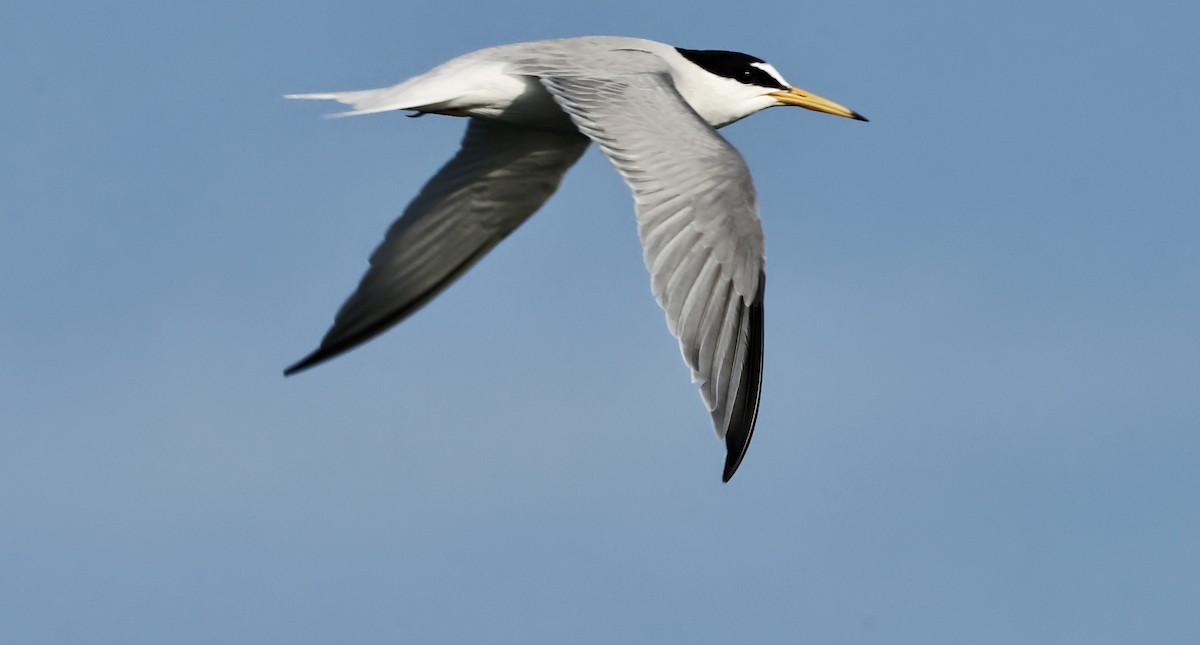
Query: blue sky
{"points": [[981, 410]]}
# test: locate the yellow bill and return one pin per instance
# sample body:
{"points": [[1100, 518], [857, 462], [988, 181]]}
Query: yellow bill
{"points": [[800, 98]]}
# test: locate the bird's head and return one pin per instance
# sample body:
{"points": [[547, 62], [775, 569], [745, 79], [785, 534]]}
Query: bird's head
{"points": [[724, 86]]}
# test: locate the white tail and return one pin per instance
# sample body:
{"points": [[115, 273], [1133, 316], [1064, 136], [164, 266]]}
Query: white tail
{"points": [[384, 99], [461, 87]]}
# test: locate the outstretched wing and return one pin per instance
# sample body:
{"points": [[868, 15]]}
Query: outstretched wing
{"points": [[497, 180], [698, 222]]}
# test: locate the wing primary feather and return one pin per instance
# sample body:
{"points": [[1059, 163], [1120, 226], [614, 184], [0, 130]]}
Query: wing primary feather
{"points": [[500, 176], [681, 285], [692, 316], [345, 343], [723, 360], [710, 332], [745, 409]]}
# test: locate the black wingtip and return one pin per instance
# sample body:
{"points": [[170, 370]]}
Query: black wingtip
{"points": [[732, 461], [736, 444], [307, 362], [858, 117], [738, 435]]}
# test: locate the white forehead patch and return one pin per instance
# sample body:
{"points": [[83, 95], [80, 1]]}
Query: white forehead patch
{"points": [[768, 68]]}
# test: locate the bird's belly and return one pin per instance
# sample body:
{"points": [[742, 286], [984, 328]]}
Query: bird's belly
{"points": [[516, 99]]}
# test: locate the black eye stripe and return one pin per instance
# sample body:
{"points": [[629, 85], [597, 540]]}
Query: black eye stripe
{"points": [[735, 65]]}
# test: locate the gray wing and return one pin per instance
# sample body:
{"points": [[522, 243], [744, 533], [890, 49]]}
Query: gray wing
{"points": [[497, 180], [698, 222]]}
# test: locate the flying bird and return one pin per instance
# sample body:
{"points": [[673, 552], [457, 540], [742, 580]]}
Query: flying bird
{"points": [[653, 110]]}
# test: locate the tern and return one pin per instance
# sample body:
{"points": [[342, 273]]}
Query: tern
{"points": [[653, 110]]}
